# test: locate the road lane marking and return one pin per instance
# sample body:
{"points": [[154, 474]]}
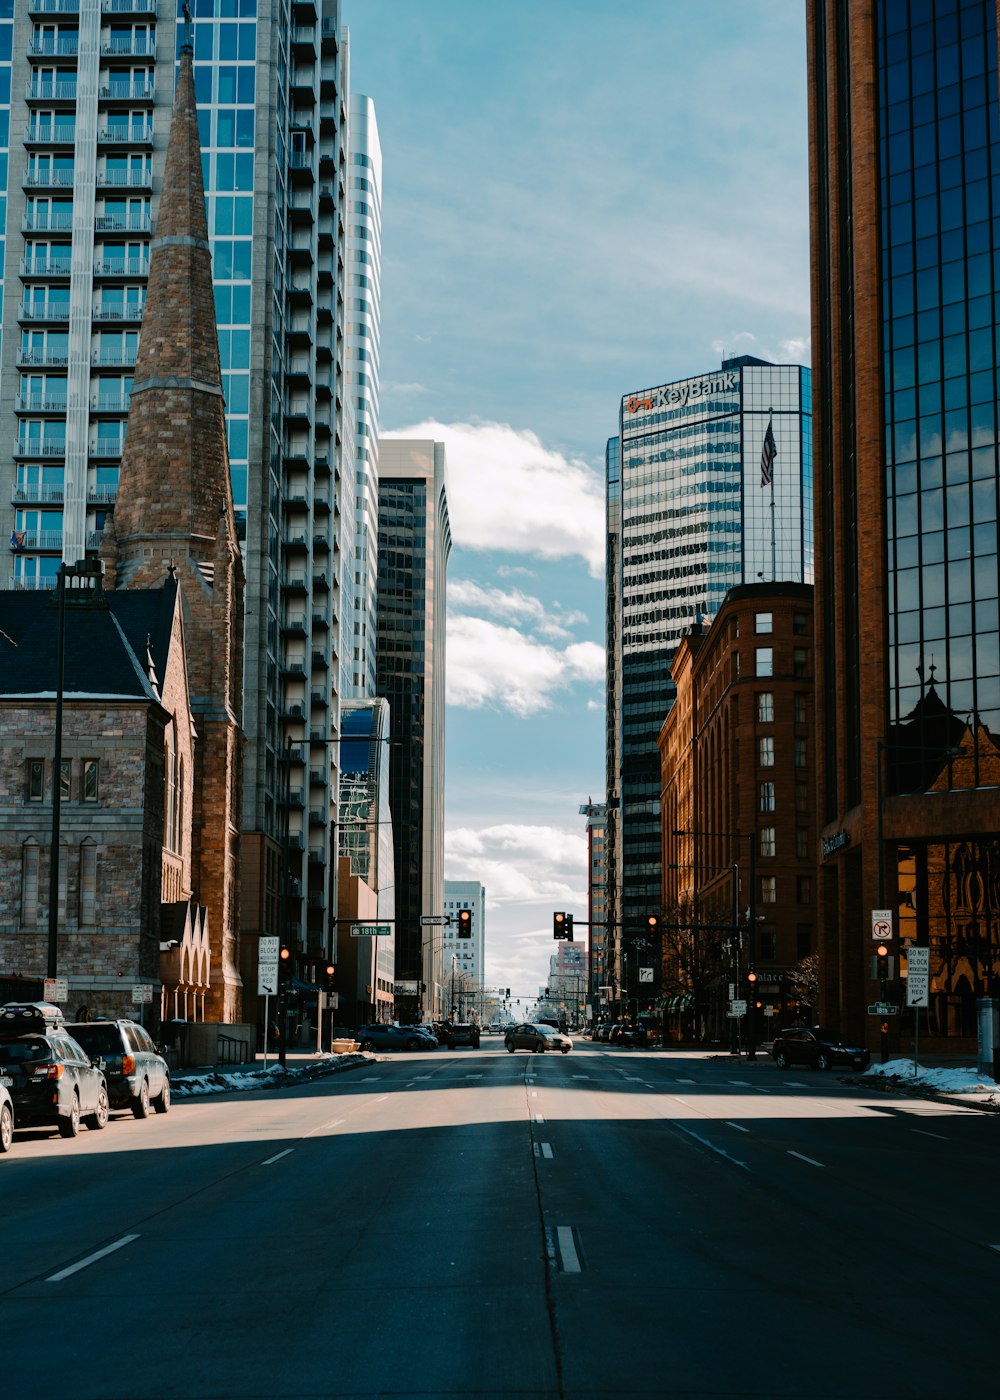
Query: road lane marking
{"points": [[91, 1259], [685, 1081], [567, 1250], [740, 1083], [792, 1084], [547, 1150], [381, 1098], [539, 1118], [738, 1126], [803, 1158], [371, 1079], [580, 1076], [334, 1123], [286, 1153], [705, 1142], [473, 1076], [923, 1133]]}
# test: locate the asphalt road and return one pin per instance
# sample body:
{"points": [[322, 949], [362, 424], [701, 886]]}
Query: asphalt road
{"points": [[477, 1224]]}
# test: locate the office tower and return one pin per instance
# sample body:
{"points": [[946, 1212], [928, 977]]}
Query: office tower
{"points": [[91, 91], [364, 298], [696, 518], [597, 903], [905, 156], [469, 954], [414, 543], [612, 712]]}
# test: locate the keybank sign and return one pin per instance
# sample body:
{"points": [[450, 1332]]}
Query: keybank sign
{"points": [[687, 394]]}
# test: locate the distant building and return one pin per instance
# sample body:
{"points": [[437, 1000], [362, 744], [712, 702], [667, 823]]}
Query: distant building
{"points": [[568, 977], [692, 521], [469, 953], [599, 991], [413, 550], [904, 157], [737, 810]]}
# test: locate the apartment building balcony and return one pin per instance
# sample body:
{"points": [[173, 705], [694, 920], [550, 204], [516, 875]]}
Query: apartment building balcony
{"points": [[125, 90], [298, 294], [121, 267], [294, 625], [107, 359], [118, 403], [298, 414], [40, 539], [131, 135], [122, 223], [63, 45], [34, 312], [58, 91], [101, 495], [296, 797], [94, 539], [301, 168], [301, 257], [296, 544], [38, 495], [298, 334], [106, 447], [319, 700], [47, 221], [143, 8], [48, 8], [319, 816], [45, 134], [118, 312], [320, 622], [41, 359], [293, 709], [321, 503], [40, 449], [40, 403], [140, 178], [321, 464], [56, 265], [129, 46], [295, 581], [320, 661], [318, 777], [31, 583], [47, 179]]}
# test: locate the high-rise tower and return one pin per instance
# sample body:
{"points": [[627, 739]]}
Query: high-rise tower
{"points": [[905, 157]]}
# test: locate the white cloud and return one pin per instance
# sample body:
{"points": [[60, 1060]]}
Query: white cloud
{"points": [[512, 605], [508, 492], [492, 665]]}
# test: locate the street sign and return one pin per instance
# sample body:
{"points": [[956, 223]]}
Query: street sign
{"points": [[267, 980], [738, 1007], [918, 980], [370, 930], [433, 920], [883, 1008], [645, 974], [56, 989], [882, 925], [142, 994], [268, 949]]}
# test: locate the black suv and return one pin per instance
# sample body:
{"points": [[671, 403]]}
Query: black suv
{"points": [[52, 1079], [137, 1073], [452, 1034], [811, 1045]]}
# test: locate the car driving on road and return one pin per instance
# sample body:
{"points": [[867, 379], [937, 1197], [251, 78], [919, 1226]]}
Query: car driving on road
{"points": [[455, 1033], [53, 1081], [819, 1048], [381, 1036], [532, 1036]]}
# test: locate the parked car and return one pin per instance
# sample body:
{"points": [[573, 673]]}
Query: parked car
{"points": [[604, 1033], [633, 1035], [533, 1036], [6, 1114], [456, 1033], [53, 1081], [382, 1036], [812, 1045], [615, 1033], [136, 1072]]}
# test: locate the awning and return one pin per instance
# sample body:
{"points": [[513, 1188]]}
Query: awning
{"points": [[679, 1003]]}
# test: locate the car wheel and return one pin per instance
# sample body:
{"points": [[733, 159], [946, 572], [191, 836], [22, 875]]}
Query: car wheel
{"points": [[565, 1049], [99, 1118], [781, 1060], [861, 1062], [509, 1047], [162, 1104], [70, 1126], [824, 1061], [140, 1104], [6, 1127], [539, 1049], [414, 1043], [368, 1045]]}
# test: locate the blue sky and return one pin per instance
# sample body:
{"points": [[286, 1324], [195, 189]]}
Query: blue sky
{"points": [[580, 199]]}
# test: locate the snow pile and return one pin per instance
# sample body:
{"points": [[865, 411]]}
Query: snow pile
{"points": [[964, 1082], [217, 1081]]}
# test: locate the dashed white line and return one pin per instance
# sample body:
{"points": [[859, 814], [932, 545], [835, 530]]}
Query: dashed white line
{"points": [[740, 1083], [803, 1158], [91, 1259], [532, 1093], [547, 1150], [738, 1126], [685, 1081], [567, 1250], [539, 1118], [923, 1133], [710, 1145], [278, 1157]]}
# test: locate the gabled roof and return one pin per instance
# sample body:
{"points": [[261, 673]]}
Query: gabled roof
{"points": [[105, 643]]}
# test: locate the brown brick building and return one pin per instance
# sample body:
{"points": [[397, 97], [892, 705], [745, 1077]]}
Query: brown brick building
{"points": [[739, 838], [904, 154]]}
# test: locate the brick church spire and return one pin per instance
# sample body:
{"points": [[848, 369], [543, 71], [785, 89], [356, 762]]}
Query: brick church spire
{"points": [[174, 483], [174, 517]]}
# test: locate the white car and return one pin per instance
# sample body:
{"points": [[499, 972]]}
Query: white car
{"points": [[6, 1116]]}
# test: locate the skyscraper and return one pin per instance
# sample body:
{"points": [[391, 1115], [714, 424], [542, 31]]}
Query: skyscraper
{"points": [[905, 156], [91, 86], [414, 543], [469, 953], [692, 516]]}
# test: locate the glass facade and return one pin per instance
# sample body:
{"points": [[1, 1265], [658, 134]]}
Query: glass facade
{"points": [[939, 168], [695, 521]]}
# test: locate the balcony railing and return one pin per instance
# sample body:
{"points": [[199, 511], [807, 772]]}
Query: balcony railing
{"points": [[54, 7], [113, 359], [122, 223], [31, 583], [49, 359], [137, 46], [102, 495], [125, 135], [40, 539], [118, 311], [104, 404], [42, 495], [51, 90], [107, 446], [128, 7], [34, 179], [122, 267], [44, 311], [47, 221], [130, 91], [46, 267], [54, 46], [50, 135], [125, 179], [40, 403]]}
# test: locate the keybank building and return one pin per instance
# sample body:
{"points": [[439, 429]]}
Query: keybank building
{"points": [[697, 518]]}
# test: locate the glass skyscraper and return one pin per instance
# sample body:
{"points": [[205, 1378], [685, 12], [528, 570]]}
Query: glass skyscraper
{"points": [[905, 148], [90, 87], [693, 520]]}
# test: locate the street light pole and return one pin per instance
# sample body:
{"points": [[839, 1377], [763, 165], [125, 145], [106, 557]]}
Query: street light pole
{"points": [[53, 950]]}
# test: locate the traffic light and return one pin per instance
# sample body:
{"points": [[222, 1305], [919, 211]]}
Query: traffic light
{"points": [[569, 927], [330, 970], [465, 923], [559, 924], [653, 923], [882, 961], [284, 963], [508, 994]]}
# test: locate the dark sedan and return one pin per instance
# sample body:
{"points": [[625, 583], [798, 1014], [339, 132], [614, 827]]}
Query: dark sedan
{"points": [[816, 1047], [388, 1037]]}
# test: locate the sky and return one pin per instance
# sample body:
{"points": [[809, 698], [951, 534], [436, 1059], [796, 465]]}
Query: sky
{"points": [[579, 200]]}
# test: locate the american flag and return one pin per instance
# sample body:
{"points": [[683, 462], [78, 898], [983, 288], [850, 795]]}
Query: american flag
{"points": [[767, 456]]}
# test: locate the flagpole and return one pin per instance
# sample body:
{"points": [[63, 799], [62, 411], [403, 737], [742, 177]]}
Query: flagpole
{"points": [[774, 567]]}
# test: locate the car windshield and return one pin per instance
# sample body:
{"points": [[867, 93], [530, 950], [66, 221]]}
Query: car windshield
{"points": [[22, 1052], [97, 1039]]}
